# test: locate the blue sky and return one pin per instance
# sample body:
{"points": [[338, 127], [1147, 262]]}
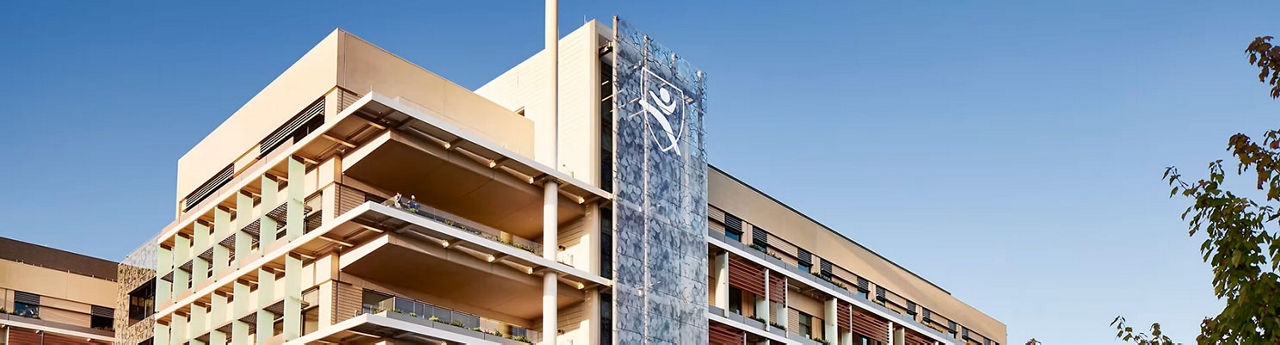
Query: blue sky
{"points": [[1009, 151]]}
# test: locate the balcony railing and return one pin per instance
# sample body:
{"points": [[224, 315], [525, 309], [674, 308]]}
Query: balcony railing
{"points": [[462, 224], [447, 319]]}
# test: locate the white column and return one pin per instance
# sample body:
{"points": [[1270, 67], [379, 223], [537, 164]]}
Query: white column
{"points": [[829, 330], [550, 243], [552, 41], [721, 290], [762, 302]]}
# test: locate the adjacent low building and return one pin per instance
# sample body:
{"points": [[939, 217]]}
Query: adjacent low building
{"points": [[359, 198], [51, 296]]}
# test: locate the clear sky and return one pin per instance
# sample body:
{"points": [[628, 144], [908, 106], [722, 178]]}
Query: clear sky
{"points": [[1009, 151]]}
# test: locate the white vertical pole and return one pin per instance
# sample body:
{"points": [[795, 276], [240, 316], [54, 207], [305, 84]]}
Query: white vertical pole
{"points": [[550, 226]]}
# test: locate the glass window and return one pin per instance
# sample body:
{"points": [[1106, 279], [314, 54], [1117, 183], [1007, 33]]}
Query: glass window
{"points": [[26, 310], [736, 236], [806, 325], [101, 322], [807, 267], [142, 301], [735, 300]]}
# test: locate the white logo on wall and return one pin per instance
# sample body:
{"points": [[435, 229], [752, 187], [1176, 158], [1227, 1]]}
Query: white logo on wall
{"points": [[665, 102]]}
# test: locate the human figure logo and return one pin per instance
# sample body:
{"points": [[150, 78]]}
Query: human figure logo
{"points": [[665, 103]]}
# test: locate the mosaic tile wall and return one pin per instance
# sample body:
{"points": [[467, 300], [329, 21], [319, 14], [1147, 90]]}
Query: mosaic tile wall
{"points": [[135, 270], [660, 264]]}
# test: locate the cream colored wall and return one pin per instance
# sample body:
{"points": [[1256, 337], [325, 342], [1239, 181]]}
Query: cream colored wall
{"points": [[63, 286], [733, 197], [302, 83], [342, 59], [365, 68], [524, 86]]}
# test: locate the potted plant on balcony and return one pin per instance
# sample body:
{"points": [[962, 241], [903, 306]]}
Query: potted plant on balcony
{"points": [[522, 339]]}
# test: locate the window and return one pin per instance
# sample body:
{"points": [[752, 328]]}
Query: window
{"points": [[806, 325], [736, 236], [805, 266], [142, 301], [732, 227], [26, 310], [101, 322], [735, 300]]}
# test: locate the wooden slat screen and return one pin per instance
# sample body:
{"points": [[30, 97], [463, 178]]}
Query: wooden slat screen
{"points": [[746, 275], [777, 288], [725, 335], [844, 315], [913, 338], [870, 326], [23, 337]]}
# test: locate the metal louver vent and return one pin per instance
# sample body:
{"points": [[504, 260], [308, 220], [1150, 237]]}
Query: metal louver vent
{"points": [[285, 132], [732, 223], [759, 236], [26, 297], [805, 257], [102, 311], [207, 189]]}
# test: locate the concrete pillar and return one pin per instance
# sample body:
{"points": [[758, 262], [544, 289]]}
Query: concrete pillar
{"points": [[899, 335], [266, 224], [829, 330], [721, 289], [292, 297], [550, 242], [846, 337], [294, 212], [762, 302]]}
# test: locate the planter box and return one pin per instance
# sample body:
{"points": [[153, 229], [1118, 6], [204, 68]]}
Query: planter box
{"points": [[778, 331], [715, 310], [456, 329], [753, 322]]}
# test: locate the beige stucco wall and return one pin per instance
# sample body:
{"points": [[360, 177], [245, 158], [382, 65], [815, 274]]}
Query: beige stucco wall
{"points": [[344, 60], [302, 83], [525, 86], [64, 286], [734, 197]]}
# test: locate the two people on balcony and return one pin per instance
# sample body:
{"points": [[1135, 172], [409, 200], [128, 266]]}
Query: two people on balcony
{"points": [[410, 204]]}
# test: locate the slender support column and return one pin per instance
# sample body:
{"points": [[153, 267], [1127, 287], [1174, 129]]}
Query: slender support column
{"points": [[266, 224], [294, 212], [239, 307], [292, 297], [762, 302], [846, 337], [899, 335], [829, 330], [550, 243], [721, 289], [552, 40]]}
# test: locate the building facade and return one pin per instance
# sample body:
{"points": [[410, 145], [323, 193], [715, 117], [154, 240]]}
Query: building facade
{"points": [[50, 296], [359, 198]]}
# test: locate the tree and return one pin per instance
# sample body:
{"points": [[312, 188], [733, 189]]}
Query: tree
{"points": [[1242, 240]]}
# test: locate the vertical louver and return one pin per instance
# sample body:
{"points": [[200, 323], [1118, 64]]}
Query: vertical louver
{"points": [[759, 237], [805, 257]]}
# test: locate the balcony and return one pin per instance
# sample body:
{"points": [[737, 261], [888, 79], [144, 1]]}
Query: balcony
{"points": [[819, 285]]}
